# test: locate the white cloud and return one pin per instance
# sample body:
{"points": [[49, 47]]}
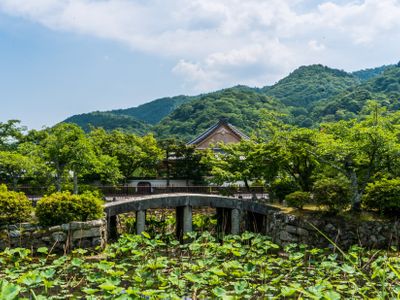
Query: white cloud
{"points": [[217, 43]]}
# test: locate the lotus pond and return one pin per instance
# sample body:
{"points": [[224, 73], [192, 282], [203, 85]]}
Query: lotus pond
{"points": [[249, 266]]}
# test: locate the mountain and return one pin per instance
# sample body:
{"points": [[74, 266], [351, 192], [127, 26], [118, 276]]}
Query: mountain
{"points": [[241, 105], [152, 112], [384, 88], [309, 84], [366, 74], [110, 122], [136, 119], [308, 96]]}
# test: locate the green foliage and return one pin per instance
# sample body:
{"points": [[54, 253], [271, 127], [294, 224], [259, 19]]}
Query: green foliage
{"points": [[61, 208], [332, 192], [14, 207], [370, 73], [135, 155], [10, 134], [298, 199], [109, 121], [281, 187], [240, 106], [384, 88], [245, 161], [309, 95], [9, 291], [309, 84], [383, 195], [137, 120], [247, 266]]}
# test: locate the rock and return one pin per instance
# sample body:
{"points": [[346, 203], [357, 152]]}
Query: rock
{"points": [[330, 227], [93, 232], [287, 237], [13, 227], [291, 229], [59, 236], [98, 242], [95, 223], [46, 239], [302, 232], [55, 228], [14, 234]]}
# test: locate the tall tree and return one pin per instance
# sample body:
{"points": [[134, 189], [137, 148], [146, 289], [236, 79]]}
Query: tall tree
{"points": [[10, 134], [67, 149], [137, 156], [245, 161], [360, 150]]}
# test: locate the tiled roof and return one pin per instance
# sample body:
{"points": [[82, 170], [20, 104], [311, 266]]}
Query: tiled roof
{"points": [[213, 128]]}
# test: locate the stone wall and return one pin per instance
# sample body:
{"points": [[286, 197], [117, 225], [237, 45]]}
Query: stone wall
{"points": [[286, 228], [62, 238]]}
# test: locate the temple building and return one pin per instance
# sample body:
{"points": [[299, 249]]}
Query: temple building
{"points": [[222, 132]]}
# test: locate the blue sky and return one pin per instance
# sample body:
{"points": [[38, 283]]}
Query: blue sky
{"points": [[62, 57]]}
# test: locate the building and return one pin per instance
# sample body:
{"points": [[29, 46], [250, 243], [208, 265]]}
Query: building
{"points": [[222, 132]]}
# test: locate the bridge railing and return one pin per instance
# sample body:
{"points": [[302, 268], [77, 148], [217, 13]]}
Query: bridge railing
{"points": [[35, 193], [128, 191], [131, 191]]}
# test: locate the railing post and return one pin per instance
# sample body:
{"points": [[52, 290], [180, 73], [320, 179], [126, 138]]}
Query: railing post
{"points": [[140, 221]]}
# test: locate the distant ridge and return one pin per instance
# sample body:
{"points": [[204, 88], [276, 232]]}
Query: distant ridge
{"points": [[307, 96]]}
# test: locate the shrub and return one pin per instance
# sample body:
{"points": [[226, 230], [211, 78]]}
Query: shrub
{"points": [[282, 187], [298, 199], [61, 208], [383, 195], [332, 192], [14, 207]]}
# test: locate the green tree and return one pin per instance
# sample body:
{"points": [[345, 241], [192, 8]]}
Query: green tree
{"points": [[136, 155], [15, 166], [360, 150], [245, 161], [66, 149], [10, 134]]}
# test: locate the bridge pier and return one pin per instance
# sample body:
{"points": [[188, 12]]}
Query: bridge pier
{"points": [[140, 221], [228, 220], [235, 221], [183, 221]]}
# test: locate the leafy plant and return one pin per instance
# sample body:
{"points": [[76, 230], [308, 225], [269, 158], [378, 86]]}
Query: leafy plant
{"points": [[61, 208], [14, 207], [298, 199], [383, 195], [331, 192]]}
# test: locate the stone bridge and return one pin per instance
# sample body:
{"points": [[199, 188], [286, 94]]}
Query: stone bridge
{"points": [[230, 211]]}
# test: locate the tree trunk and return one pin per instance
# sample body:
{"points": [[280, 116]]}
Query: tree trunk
{"points": [[58, 177], [58, 181], [75, 177], [15, 183], [355, 192]]}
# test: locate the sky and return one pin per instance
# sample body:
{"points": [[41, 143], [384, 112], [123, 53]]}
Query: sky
{"points": [[65, 57]]}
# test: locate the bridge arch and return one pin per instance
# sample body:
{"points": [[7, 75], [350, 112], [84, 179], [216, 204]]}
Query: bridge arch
{"points": [[229, 210]]}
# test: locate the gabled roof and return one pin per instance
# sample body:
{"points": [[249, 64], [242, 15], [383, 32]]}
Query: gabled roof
{"points": [[212, 129]]}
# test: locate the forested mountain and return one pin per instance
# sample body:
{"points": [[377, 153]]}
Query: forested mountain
{"points": [[241, 105], [370, 73], [308, 96], [109, 121], [384, 88], [309, 84], [152, 112], [135, 119]]}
